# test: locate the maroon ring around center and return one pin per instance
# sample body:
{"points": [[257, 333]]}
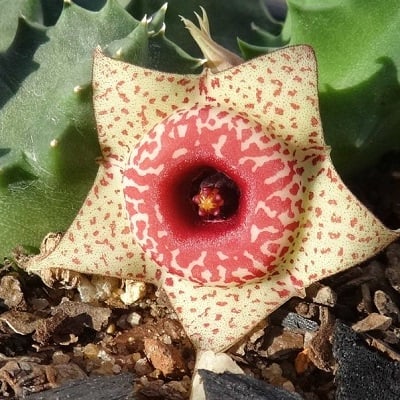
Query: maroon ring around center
{"points": [[176, 188]]}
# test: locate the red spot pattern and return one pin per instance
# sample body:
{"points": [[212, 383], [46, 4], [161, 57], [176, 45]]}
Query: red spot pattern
{"points": [[249, 245]]}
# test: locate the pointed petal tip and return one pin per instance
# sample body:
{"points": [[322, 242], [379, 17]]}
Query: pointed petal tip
{"points": [[184, 20]]}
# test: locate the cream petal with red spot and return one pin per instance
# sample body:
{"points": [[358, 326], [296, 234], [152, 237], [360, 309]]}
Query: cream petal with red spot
{"points": [[216, 318], [278, 91], [99, 241], [337, 230]]}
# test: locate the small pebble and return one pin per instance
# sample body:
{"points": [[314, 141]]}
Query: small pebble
{"points": [[282, 343], [393, 275], [134, 291], [133, 319], [111, 329], [11, 293], [59, 357], [373, 321], [165, 358], [323, 295], [288, 386], [91, 351], [296, 322], [143, 367], [385, 305]]}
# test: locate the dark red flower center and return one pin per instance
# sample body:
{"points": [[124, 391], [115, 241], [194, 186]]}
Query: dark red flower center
{"points": [[215, 195]]}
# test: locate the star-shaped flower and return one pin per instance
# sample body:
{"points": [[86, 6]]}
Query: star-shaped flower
{"points": [[248, 140]]}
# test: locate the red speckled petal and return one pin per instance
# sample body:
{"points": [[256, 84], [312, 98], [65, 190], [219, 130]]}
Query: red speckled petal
{"points": [[338, 231], [216, 318], [130, 100], [279, 90], [99, 241]]}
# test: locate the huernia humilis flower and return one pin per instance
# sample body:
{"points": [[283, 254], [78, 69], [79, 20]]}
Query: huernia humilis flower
{"points": [[244, 143]]}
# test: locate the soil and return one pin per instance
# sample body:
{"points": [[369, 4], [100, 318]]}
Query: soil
{"points": [[48, 336]]}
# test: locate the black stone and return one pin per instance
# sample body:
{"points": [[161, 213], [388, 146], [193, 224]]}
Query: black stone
{"points": [[229, 386], [363, 374], [296, 322], [118, 387]]}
